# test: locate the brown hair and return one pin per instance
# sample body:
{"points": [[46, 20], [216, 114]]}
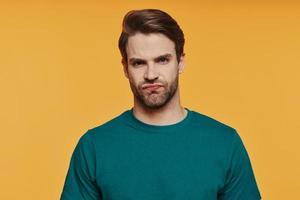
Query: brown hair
{"points": [[151, 21]]}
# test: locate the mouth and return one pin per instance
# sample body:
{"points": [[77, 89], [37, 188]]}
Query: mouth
{"points": [[152, 86]]}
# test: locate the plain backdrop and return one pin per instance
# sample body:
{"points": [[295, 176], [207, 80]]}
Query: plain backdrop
{"points": [[61, 75]]}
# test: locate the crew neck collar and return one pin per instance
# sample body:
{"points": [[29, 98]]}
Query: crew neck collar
{"points": [[130, 117]]}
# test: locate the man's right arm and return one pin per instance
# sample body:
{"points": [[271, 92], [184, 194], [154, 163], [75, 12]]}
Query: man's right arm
{"points": [[80, 182]]}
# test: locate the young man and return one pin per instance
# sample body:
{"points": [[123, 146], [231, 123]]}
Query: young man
{"points": [[158, 150]]}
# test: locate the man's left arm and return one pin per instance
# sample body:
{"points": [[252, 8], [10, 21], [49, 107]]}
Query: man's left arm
{"points": [[240, 183]]}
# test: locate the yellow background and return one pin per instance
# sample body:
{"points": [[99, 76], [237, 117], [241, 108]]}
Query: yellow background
{"points": [[61, 75]]}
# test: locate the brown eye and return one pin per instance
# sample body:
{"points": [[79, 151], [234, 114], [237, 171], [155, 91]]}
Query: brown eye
{"points": [[137, 63], [163, 60]]}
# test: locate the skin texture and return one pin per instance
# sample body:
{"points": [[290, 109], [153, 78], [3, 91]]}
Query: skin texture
{"points": [[151, 59]]}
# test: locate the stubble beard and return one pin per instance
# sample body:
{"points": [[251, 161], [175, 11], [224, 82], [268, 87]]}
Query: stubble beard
{"points": [[155, 99]]}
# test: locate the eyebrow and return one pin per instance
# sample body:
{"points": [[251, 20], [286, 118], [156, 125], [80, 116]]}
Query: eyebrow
{"points": [[167, 55]]}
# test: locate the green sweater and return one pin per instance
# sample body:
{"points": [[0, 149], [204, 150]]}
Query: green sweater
{"points": [[197, 158]]}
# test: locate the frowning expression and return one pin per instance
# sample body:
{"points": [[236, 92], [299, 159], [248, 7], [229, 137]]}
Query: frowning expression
{"points": [[152, 68]]}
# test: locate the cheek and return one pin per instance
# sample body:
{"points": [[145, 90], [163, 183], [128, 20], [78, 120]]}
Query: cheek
{"points": [[169, 75], [134, 78]]}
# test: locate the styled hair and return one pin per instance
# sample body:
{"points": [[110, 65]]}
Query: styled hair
{"points": [[148, 21]]}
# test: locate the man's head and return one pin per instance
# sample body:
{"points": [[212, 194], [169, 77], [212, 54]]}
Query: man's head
{"points": [[151, 45]]}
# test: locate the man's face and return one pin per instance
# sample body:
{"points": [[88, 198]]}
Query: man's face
{"points": [[152, 69]]}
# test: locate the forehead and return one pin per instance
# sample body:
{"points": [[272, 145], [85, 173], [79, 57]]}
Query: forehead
{"points": [[148, 46]]}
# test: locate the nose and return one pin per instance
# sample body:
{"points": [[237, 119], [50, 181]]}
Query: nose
{"points": [[150, 73]]}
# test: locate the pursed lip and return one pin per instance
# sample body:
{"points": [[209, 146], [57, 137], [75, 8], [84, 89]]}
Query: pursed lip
{"points": [[151, 85]]}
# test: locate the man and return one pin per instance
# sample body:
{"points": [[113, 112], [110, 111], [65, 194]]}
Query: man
{"points": [[158, 150]]}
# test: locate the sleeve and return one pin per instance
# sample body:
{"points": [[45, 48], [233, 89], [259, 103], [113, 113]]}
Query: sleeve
{"points": [[80, 181], [240, 183]]}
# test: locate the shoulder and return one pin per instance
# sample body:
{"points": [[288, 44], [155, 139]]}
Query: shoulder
{"points": [[210, 122], [112, 125], [214, 127]]}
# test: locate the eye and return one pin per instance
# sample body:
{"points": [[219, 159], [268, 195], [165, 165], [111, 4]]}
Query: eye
{"points": [[163, 60], [136, 63]]}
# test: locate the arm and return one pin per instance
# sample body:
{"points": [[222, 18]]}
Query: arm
{"points": [[240, 183], [80, 182]]}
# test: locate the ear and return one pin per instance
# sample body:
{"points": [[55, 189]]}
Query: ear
{"points": [[125, 67], [181, 63]]}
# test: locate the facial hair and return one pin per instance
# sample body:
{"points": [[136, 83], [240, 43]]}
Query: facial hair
{"points": [[155, 99]]}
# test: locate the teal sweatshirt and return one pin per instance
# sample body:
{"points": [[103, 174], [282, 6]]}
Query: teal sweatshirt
{"points": [[198, 158]]}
